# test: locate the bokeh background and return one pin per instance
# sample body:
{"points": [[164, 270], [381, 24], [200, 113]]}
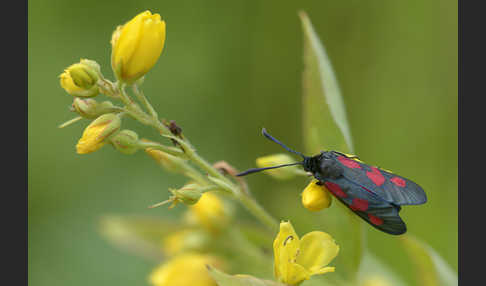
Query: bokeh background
{"points": [[228, 69]]}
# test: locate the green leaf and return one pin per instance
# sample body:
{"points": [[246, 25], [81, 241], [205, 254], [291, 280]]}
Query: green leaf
{"points": [[431, 269], [325, 127], [223, 279], [324, 115]]}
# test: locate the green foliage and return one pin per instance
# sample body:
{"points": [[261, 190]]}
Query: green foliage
{"points": [[375, 48], [430, 267], [324, 113], [326, 126], [371, 267]]}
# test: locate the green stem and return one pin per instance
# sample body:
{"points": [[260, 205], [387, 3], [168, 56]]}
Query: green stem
{"points": [[145, 102], [135, 111], [258, 211]]}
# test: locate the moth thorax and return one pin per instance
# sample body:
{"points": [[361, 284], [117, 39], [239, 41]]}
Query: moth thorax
{"points": [[330, 168], [312, 164]]}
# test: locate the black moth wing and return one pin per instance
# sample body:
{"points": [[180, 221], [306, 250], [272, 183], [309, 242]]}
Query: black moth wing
{"points": [[388, 186], [379, 213]]}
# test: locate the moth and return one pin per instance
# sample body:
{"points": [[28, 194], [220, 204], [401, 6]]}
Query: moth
{"points": [[374, 194]]}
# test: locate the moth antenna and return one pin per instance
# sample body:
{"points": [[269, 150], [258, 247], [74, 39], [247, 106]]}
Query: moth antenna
{"points": [[265, 133], [254, 170]]}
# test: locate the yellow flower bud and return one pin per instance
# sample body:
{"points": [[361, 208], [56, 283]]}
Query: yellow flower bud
{"points": [[189, 194], [80, 79], [96, 133], [136, 46], [169, 162], [186, 269], [278, 159], [125, 141], [90, 108], [211, 213], [184, 240], [316, 197]]}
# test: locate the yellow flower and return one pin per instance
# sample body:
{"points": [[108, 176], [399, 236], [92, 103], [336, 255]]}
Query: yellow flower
{"points": [[210, 212], [316, 197], [96, 133], [278, 159], [137, 45], [298, 259], [187, 269]]}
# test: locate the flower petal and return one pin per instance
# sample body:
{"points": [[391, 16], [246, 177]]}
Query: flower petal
{"points": [[129, 38], [151, 43], [285, 249], [317, 249], [294, 274]]}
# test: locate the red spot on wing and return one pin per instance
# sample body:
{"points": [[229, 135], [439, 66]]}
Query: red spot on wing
{"points": [[348, 162], [335, 189], [375, 176], [359, 204], [398, 181], [375, 220]]}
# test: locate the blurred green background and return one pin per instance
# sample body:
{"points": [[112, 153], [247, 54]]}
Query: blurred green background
{"points": [[228, 69]]}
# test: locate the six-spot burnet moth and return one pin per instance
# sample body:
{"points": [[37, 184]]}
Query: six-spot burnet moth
{"points": [[374, 194]]}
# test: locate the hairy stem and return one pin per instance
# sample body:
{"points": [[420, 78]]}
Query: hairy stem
{"points": [[136, 112]]}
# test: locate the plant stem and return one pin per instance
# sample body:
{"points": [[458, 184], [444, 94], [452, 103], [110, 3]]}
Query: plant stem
{"points": [[258, 211], [145, 102], [135, 111]]}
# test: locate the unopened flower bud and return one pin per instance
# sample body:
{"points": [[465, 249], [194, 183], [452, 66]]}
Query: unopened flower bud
{"points": [[211, 212], [90, 108], [137, 45], [278, 159], [125, 141], [189, 194], [184, 240], [316, 197], [97, 132], [169, 162], [80, 79], [83, 75]]}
